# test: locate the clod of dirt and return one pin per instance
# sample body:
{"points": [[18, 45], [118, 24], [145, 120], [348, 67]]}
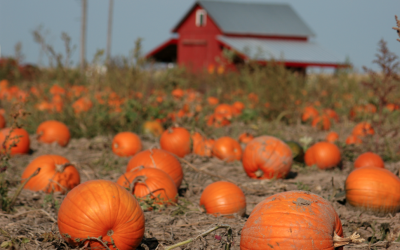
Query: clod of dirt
{"points": [[302, 202]]}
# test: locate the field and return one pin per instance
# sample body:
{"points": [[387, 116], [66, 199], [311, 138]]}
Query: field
{"points": [[98, 105]]}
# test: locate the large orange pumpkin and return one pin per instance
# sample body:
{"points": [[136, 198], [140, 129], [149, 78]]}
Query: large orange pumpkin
{"points": [[374, 189], [126, 144], [104, 210], [291, 220], [369, 159], [18, 141], [267, 157], [223, 198], [227, 149], [56, 174], [151, 182], [53, 131], [176, 140], [158, 158], [323, 154]]}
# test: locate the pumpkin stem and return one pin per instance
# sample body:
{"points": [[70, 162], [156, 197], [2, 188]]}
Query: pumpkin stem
{"points": [[170, 130], [259, 173], [139, 179], [110, 232], [339, 241], [61, 167]]}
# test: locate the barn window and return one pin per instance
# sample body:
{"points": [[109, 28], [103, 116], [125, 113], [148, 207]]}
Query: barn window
{"points": [[201, 18]]}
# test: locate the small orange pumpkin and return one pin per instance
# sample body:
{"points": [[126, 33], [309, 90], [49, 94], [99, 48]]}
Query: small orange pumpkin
{"points": [[309, 113], [53, 131], [374, 189], [177, 141], [245, 137], [56, 174], [227, 149], [158, 158], [151, 182], [126, 144], [362, 129], [153, 128], [352, 139], [267, 157], [104, 210], [332, 137], [18, 141], [323, 154], [369, 159], [321, 122], [223, 198]]}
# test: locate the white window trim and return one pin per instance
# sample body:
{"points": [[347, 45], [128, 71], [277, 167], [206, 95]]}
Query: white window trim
{"points": [[200, 13]]}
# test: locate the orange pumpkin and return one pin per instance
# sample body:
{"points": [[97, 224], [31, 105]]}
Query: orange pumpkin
{"points": [[227, 149], [177, 141], [56, 174], [224, 110], [245, 137], [126, 144], [323, 154], [362, 129], [83, 104], [53, 131], [321, 122], [332, 114], [158, 158], [18, 141], [291, 220], [369, 159], [212, 100], [153, 128], [151, 182], [309, 113], [267, 157], [223, 198], [177, 93], [237, 107], [101, 209], [332, 137], [352, 139], [2, 121], [374, 189]]}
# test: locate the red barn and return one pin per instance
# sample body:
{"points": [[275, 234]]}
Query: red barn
{"points": [[214, 33]]}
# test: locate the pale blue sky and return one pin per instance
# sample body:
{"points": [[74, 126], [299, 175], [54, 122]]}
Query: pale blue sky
{"points": [[348, 28]]}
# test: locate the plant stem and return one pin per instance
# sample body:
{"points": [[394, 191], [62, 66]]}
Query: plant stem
{"points": [[227, 247], [16, 194]]}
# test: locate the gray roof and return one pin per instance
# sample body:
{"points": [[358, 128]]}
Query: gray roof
{"points": [[256, 18], [289, 51]]}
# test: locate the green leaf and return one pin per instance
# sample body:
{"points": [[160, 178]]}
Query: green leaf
{"points": [[6, 244]]}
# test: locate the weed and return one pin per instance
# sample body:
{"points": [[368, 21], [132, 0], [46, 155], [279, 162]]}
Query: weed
{"points": [[302, 186]]}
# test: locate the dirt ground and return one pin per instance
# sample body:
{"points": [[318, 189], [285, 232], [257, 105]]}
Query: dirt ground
{"points": [[34, 220]]}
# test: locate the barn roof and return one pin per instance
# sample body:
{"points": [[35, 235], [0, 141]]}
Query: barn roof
{"points": [[259, 49], [254, 18]]}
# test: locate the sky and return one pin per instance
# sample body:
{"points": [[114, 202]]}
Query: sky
{"points": [[350, 29]]}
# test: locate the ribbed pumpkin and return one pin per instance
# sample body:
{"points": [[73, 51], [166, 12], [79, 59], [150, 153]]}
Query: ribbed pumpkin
{"points": [[374, 189], [369, 159], [227, 149], [100, 208], [151, 182], [176, 140], [323, 154], [17, 136], [198, 143], [158, 158], [126, 144], [56, 174], [291, 220], [332, 137], [267, 157], [223, 198], [53, 131]]}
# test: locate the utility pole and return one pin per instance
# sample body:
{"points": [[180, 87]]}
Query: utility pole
{"points": [[83, 35], [110, 17]]}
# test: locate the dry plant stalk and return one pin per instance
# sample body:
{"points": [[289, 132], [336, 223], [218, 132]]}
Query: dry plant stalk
{"points": [[398, 27], [339, 241]]}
